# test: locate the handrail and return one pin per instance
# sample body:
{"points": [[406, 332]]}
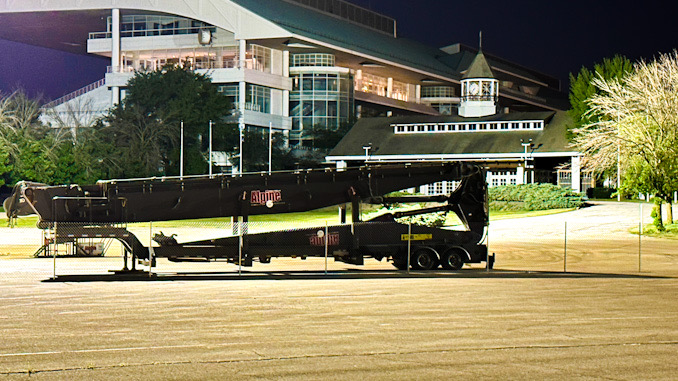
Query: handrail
{"points": [[74, 94]]}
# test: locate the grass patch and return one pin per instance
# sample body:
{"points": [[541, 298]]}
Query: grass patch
{"points": [[314, 217], [651, 231], [507, 214], [22, 222]]}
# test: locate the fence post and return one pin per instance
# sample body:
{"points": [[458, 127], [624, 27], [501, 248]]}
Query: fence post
{"points": [[409, 244], [240, 243], [640, 236], [327, 239], [487, 249], [565, 250], [54, 252], [150, 249]]}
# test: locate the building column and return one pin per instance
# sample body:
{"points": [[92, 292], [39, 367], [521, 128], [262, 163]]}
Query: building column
{"points": [[242, 85], [576, 173], [520, 174], [115, 53], [286, 63], [417, 93], [389, 87], [286, 74]]}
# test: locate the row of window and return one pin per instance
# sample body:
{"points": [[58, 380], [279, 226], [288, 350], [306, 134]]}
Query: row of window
{"points": [[147, 25], [437, 92], [319, 100], [353, 13], [257, 98], [320, 82], [312, 59], [460, 127]]}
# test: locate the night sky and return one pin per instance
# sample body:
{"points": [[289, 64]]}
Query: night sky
{"points": [[555, 37]]}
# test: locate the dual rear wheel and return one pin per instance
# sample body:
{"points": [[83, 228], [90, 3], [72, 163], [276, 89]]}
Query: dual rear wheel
{"points": [[426, 258]]}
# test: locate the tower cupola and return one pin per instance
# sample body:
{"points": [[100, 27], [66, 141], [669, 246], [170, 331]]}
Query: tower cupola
{"points": [[479, 89]]}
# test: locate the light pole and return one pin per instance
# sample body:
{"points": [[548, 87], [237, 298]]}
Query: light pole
{"points": [[367, 149], [241, 127], [270, 146], [210, 154], [181, 152], [528, 156]]}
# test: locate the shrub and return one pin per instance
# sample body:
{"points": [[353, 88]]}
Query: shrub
{"points": [[600, 192], [533, 197]]}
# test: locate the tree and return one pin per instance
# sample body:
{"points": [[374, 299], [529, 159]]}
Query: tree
{"points": [[635, 120], [582, 88], [5, 165], [30, 147], [145, 126]]}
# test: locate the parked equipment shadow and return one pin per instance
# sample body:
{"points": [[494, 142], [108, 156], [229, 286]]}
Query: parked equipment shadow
{"points": [[337, 275]]}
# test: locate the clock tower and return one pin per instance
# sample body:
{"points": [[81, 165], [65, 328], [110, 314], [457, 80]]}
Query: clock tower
{"points": [[479, 89]]}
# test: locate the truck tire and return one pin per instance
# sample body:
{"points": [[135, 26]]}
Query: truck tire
{"points": [[453, 259], [424, 258]]}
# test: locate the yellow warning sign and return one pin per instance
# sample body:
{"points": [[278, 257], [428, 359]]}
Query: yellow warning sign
{"points": [[415, 237]]}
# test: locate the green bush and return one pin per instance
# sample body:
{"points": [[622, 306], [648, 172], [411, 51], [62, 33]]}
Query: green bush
{"points": [[533, 197], [600, 192]]}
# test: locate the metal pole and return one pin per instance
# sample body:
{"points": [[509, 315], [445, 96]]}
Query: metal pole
{"points": [[54, 252], [210, 157], [327, 239], [240, 133], [618, 171], [409, 244], [150, 249], [270, 146], [239, 246], [565, 250], [640, 236], [487, 249], [181, 152]]}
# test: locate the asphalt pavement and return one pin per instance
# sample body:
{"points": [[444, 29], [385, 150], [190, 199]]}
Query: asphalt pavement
{"points": [[526, 319]]}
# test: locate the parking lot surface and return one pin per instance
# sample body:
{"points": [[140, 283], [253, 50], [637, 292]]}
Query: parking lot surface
{"points": [[526, 319]]}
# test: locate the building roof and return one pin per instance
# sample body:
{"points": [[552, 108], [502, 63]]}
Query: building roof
{"points": [[341, 33], [479, 68], [379, 132]]}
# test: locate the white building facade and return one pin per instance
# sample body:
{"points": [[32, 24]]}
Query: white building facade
{"points": [[293, 65]]}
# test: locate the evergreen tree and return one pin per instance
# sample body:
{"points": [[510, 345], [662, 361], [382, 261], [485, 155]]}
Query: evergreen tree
{"points": [[582, 88]]}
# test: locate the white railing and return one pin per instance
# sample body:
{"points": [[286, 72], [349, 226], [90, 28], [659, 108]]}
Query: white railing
{"points": [[75, 94], [253, 107], [220, 64]]}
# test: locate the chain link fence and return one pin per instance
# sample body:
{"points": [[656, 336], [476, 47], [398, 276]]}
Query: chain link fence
{"points": [[583, 241]]}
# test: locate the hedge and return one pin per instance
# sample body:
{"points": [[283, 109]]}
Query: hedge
{"points": [[533, 197]]}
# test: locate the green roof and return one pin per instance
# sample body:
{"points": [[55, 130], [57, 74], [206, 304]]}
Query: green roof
{"points": [[342, 33], [479, 68], [379, 132]]}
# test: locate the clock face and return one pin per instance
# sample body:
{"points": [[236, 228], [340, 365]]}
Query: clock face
{"points": [[473, 89]]}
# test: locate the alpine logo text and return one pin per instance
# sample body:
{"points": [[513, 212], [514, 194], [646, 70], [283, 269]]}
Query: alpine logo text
{"points": [[333, 240], [266, 197]]}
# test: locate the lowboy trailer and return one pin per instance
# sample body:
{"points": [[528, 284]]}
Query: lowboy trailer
{"points": [[104, 209]]}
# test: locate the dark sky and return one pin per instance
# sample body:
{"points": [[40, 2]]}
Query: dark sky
{"points": [[553, 36]]}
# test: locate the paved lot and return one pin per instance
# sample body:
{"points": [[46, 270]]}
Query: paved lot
{"points": [[288, 320]]}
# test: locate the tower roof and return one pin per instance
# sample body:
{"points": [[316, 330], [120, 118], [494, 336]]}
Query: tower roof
{"points": [[479, 68]]}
